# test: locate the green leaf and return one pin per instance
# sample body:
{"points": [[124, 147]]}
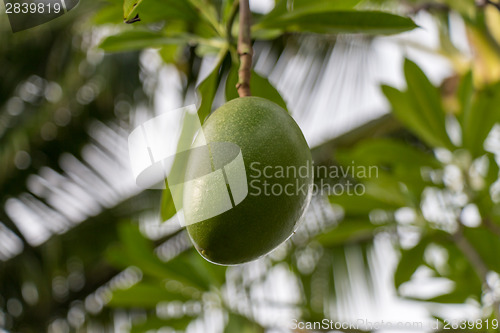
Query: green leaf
{"points": [[208, 87], [259, 86], [426, 101], [387, 188], [388, 153], [203, 50], [334, 22], [410, 260], [348, 231], [457, 269], [410, 117], [455, 297], [129, 8], [140, 39], [479, 121], [191, 269], [241, 324], [465, 96], [151, 324], [287, 9], [487, 245], [169, 53], [111, 13], [167, 206], [153, 11], [177, 172], [391, 158], [483, 198], [466, 284], [467, 9], [189, 266], [493, 170], [266, 34], [138, 251], [215, 274], [360, 205], [144, 295], [208, 13]]}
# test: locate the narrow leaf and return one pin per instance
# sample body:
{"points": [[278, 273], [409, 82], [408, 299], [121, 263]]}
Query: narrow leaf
{"points": [[334, 22], [154, 11], [287, 9], [167, 206], [409, 262], [410, 117], [129, 8], [426, 101], [348, 231], [139, 39], [360, 205], [479, 121], [208, 87], [241, 324], [138, 251]]}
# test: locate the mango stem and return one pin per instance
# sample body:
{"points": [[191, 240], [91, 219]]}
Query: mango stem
{"points": [[245, 50]]}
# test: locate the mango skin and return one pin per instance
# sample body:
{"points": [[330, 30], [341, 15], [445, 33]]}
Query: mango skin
{"points": [[266, 134]]}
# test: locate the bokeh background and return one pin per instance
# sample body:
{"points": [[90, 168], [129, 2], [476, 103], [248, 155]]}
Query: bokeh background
{"points": [[84, 249]]}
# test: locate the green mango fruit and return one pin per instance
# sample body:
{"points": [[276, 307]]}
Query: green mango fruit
{"points": [[236, 214]]}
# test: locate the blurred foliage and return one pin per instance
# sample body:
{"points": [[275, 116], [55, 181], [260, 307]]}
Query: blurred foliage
{"points": [[56, 82]]}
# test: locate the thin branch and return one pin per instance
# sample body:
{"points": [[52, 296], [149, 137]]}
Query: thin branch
{"points": [[244, 50], [475, 260], [493, 227], [470, 253]]}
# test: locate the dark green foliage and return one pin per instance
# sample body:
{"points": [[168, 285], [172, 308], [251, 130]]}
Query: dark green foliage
{"points": [[106, 246]]}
